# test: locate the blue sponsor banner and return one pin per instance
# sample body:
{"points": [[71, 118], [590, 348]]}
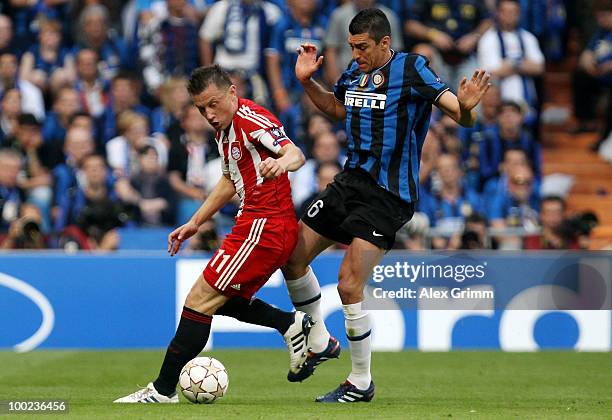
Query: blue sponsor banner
{"points": [[133, 300]]}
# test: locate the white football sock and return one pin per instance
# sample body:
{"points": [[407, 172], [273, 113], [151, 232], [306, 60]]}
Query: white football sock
{"points": [[305, 294], [358, 329]]}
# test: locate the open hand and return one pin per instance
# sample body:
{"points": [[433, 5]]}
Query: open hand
{"points": [[307, 62], [470, 92], [180, 235]]}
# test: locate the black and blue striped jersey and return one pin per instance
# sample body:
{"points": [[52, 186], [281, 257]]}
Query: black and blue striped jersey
{"points": [[387, 118]]}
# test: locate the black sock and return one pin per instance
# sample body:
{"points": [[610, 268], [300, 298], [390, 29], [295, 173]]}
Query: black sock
{"points": [[190, 338], [257, 312]]}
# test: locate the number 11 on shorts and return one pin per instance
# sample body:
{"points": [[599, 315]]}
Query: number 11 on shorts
{"points": [[224, 259]]}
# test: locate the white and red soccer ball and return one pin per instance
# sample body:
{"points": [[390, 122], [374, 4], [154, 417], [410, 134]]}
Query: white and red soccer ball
{"points": [[203, 380]]}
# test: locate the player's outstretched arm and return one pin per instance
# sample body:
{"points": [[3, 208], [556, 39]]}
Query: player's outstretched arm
{"points": [[470, 92], [291, 159], [306, 66], [221, 194]]}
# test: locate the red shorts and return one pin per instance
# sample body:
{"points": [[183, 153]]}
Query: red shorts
{"points": [[250, 254]]}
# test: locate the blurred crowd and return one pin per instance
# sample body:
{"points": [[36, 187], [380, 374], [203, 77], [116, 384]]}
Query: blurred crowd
{"points": [[97, 131]]}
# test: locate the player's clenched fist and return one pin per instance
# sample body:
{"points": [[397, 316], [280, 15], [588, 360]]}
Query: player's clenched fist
{"points": [[270, 168]]}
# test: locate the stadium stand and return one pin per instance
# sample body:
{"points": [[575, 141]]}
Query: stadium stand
{"points": [[128, 94]]}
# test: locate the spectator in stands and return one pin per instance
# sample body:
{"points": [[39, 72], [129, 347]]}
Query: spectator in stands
{"points": [[91, 213], [92, 88], [174, 98], [302, 24], [593, 78], [513, 57], [86, 121], [304, 183], [337, 51], [315, 124], [149, 190], [10, 109], [474, 234], [234, 34], [125, 94], [448, 207], [552, 214], [509, 133], [78, 144], [6, 35], [576, 230], [94, 34], [168, 46], [11, 196], [447, 131], [326, 172], [195, 10], [47, 64], [26, 231], [513, 157], [122, 151], [65, 106], [518, 204], [37, 182], [454, 28], [471, 137], [26, 15], [31, 96], [193, 166]]}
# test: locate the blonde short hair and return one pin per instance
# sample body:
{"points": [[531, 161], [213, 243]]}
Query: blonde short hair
{"points": [[127, 118]]}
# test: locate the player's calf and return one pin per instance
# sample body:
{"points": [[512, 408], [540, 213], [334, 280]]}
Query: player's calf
{"points": [[189, 340]]}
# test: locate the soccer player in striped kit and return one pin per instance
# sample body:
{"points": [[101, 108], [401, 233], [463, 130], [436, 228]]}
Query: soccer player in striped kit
{"points": [[385, 98], [256, 157]]}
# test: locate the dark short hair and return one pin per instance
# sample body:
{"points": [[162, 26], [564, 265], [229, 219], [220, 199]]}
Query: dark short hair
{"points": [[602, 6], [28, 119], [372, 21], [146, 149], [125, 75], [202, 77], [476, 217], [94, 155], [517, 2], [79, 114]]}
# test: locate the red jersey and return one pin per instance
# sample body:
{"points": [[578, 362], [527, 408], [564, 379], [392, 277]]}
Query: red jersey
{"points": [[254, 135]]}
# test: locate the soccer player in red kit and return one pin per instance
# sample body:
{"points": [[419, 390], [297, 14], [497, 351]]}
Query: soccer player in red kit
{"points": [[256, 156]]}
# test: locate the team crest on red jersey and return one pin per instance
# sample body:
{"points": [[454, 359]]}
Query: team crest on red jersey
{"points": [[236, 152]]}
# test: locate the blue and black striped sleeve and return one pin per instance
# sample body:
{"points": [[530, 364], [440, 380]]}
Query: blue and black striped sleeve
{"points": [[341, 86], [343, 82], [425, 82]]}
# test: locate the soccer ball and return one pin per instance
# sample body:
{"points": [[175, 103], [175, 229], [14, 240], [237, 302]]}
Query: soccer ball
{"points": [[204, 380]]}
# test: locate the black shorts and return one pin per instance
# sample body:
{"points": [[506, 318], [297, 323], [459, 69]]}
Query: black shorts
{"points": [[355, 206]]}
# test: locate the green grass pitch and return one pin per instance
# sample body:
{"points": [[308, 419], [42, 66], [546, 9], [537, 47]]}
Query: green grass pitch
{"points": [[480, 385]]}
